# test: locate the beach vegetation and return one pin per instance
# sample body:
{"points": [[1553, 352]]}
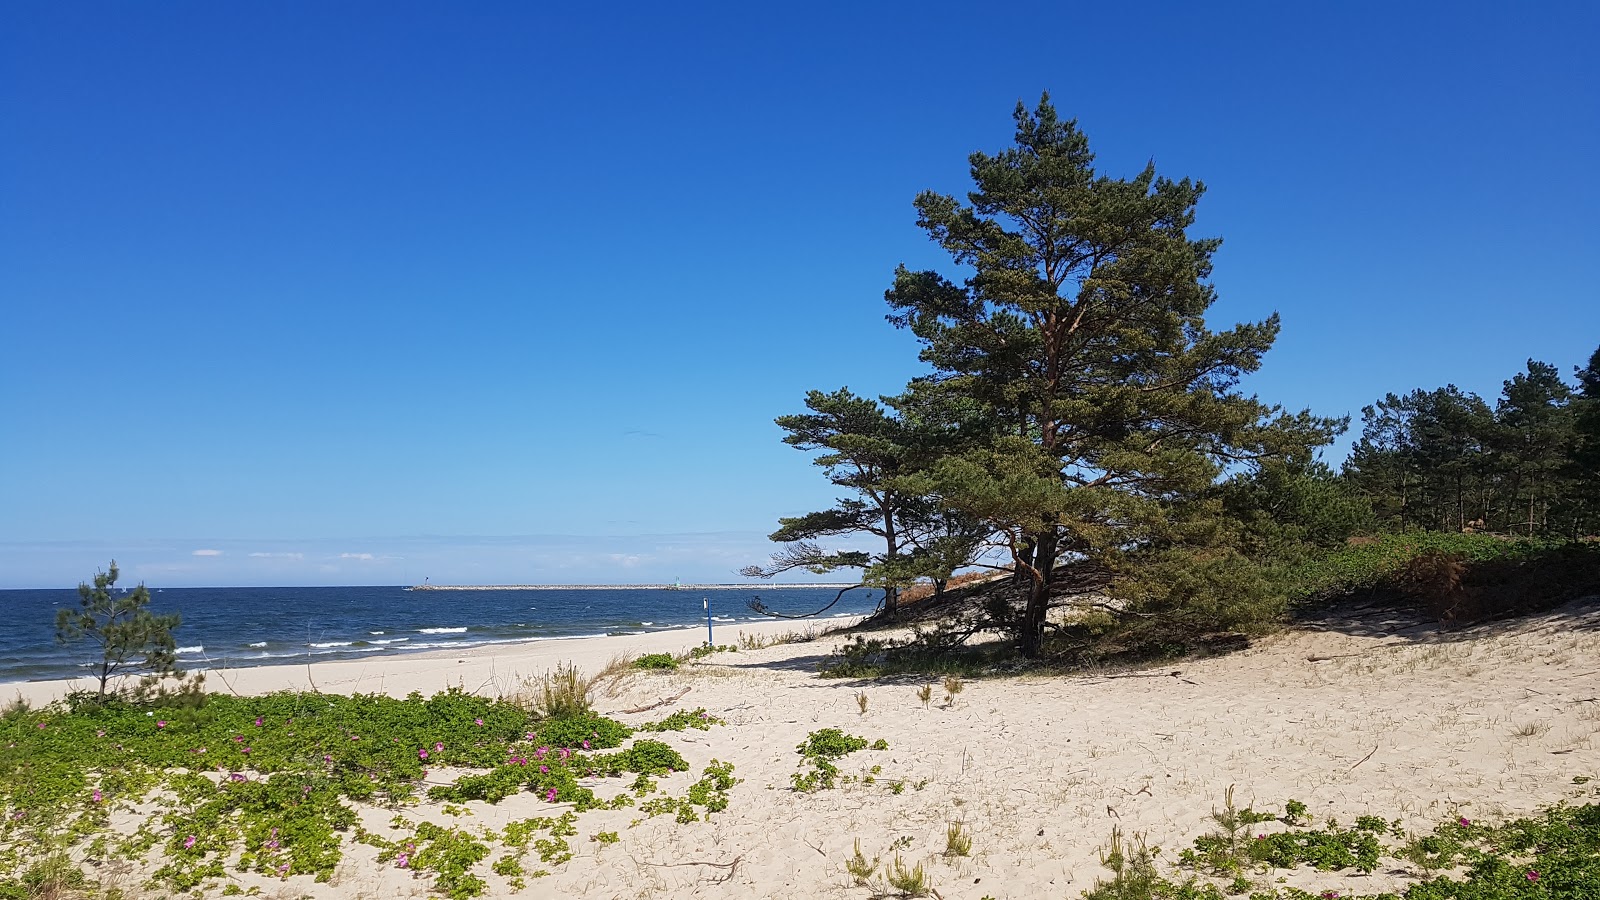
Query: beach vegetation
{"points": [[1539, 857], [1080, 429], [126, 638], [656, 661], [583, 729], [861, 701], [909, 881], [859, 867], [563, 693], [953, 685], [957, 840], [270, 785], [696, 718], [925, 695], [821, 750], [878, 451], [706, 649]]}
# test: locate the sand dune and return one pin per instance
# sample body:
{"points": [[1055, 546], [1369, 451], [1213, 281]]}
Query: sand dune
{"points": [[1038, 770]]}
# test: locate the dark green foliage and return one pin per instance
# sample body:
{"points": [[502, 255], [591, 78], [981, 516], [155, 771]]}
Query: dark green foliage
{"points": [[649, 757], [656, 661], [586, 730], [1443, 460], [1455, 577], [1082, 333], [127, 638], [1287, 511], [880, 456], [1325, 850]]}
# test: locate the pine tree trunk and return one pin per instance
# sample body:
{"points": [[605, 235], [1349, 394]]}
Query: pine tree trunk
{"points": [[1033, 614], [1021, 576]]}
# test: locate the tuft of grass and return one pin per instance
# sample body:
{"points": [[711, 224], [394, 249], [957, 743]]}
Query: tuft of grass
{"points": [[909, 882], [953, 685], [16, 708], [611, 675], [563, 693], [1533, 729], [957, 842], [860, 868], [1133, 871], [861, 701], [925, 694]]}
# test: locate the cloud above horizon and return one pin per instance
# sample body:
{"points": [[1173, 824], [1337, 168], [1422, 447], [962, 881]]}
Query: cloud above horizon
{"points": [[706, 557]]}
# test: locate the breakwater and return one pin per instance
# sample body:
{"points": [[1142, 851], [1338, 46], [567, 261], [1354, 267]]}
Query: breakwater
{"points": [[626, 587]]}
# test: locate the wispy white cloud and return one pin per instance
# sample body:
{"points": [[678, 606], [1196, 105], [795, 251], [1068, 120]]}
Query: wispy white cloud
{"points": [[704, 557], [206, 553]]}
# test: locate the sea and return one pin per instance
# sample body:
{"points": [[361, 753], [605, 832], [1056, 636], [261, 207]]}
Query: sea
{"points": [[255, 626]]}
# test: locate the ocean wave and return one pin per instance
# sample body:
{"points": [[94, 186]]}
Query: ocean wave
{"points": [[194, 649], [390, 640], [258, 645], [377, 632], [328, 644], [646, 623], [441, 630]]}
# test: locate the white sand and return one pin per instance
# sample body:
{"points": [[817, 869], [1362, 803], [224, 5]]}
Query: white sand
{"points": [[1037, 769]]}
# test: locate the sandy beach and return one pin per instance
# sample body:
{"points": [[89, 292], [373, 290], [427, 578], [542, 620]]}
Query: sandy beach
{"points": [[1419, 725]]}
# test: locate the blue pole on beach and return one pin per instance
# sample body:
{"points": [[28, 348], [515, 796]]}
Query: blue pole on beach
{"points": [[709, 641]]}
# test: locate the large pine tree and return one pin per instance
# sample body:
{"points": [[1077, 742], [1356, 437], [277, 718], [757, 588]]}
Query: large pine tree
{"points": [[1082, 328]]}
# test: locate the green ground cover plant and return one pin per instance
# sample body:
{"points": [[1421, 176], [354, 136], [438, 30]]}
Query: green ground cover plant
{"points": [[1551, 856], [267, 785], [821, 749]]}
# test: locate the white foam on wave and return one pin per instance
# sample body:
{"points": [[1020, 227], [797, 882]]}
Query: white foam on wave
{"points": [[377, 632], [258, 645], [194, 649], [328, 644], [391, 640], [646, 623], [441, 630]]}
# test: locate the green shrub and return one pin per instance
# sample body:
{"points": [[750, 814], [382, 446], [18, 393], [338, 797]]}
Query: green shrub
{"points": [[656, 661], [572, 731]]}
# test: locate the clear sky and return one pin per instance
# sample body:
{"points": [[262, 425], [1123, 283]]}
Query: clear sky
{"points": [[332, 293]]}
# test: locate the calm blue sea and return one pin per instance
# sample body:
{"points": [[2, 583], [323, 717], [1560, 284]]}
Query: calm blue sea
{"points": [[272, 626]]}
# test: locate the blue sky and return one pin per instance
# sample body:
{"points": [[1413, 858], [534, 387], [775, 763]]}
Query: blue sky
{"points": [[507, 293]]}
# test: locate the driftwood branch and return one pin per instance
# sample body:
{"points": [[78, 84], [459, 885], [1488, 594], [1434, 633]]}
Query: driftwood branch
{"points": [[730, 866], [1365, 758], [663, 702]]}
